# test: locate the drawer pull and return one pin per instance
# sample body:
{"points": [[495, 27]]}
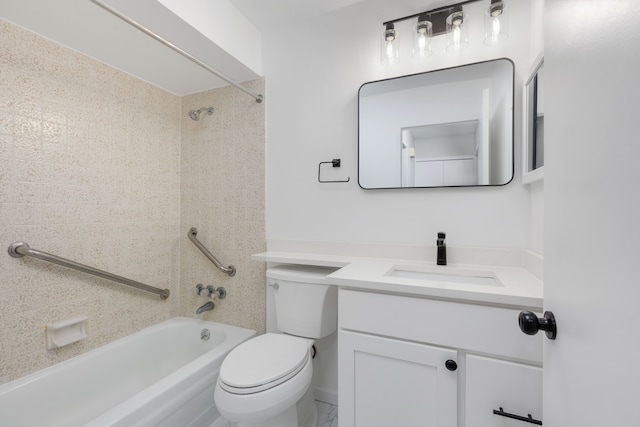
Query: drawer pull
{"points": [[527, 419]]}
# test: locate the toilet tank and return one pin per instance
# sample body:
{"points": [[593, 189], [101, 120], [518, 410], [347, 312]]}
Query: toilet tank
{"points": [[305, 305]]}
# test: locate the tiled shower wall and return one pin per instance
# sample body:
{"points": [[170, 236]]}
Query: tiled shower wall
{"points": [[90, 170], [222, 194]]}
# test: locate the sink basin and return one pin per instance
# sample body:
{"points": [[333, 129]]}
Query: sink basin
{"points": [[444, 274]]}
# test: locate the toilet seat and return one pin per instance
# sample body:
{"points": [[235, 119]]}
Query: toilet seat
{"points": [[262, 363]]}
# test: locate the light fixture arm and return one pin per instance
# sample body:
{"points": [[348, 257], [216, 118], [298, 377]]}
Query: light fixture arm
{"points": [[444, 10]]}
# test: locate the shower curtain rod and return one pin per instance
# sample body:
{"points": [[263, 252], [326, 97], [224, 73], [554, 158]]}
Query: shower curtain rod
{"points": [[258, 97]]}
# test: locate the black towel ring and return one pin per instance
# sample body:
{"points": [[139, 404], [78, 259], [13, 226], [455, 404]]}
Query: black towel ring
{"points": [[336, 164]]}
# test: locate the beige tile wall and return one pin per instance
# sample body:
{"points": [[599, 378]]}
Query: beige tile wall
{"points": [[222, 193], [90, 170]]}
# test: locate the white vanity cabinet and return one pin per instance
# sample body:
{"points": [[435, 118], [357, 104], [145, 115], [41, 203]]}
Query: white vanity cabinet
{"points": [[413, 361], [396, 383]]}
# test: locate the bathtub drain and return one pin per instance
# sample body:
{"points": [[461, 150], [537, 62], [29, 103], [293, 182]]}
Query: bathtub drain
{"points": [[205, 334]]}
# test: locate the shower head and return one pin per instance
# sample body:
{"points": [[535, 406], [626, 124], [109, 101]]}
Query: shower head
{"points": [[195, 114]]}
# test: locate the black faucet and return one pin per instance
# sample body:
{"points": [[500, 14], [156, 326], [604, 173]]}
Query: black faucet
{"points": [[442, 249]]}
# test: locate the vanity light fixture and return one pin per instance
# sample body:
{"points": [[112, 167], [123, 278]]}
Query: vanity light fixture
{"points": [[449, 20], [496, 23]]}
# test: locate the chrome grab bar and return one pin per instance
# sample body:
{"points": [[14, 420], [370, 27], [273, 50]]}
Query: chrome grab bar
{"points": [[193, 232], [20, 249]]}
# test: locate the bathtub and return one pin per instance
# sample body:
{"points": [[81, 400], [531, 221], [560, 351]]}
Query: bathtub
{"points": [[163, 375]]}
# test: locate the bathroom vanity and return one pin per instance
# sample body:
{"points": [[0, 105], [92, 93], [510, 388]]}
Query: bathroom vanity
{"points": [[427, 345], [424, 345]]}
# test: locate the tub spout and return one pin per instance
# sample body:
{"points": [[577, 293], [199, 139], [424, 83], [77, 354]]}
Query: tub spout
{"points": [[205, 307]]}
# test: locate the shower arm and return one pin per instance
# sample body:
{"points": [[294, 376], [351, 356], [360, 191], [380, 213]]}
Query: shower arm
{"points": [[193, 232], [258, 97]]}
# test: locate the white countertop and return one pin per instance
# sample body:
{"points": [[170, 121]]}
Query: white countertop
{"points": [[515, 286]]}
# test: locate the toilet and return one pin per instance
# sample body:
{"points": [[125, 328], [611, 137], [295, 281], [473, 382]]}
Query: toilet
{"points": [[266, 381]]}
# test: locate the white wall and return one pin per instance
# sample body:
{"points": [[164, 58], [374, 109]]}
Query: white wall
{"points": [[313, 71]]}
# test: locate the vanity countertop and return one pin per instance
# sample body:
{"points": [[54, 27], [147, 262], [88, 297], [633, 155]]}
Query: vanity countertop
{"points": [[514, 286]]}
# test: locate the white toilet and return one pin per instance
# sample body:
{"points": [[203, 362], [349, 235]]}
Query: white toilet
{"points": [[265, 382]]}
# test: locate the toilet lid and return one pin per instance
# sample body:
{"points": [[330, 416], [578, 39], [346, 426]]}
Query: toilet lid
{"points": [[263, 362]]}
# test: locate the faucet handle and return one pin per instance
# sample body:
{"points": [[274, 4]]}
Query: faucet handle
{"points": [[214, 293], [200, 289], [211, 292]]}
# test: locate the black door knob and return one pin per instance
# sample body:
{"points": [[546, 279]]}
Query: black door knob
{"points": [[530, 324], [451, 365]]}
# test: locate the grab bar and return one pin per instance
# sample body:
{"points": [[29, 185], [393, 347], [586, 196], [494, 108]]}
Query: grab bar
{"points": [[20, 249], [193, 232]]}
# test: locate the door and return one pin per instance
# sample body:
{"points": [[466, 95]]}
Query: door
{"points": [[386, 382], [592, 212]]}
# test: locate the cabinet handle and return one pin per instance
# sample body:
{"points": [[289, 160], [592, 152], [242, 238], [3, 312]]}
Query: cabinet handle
{"points": [[451, 365], [530, 324], [527, 419]]}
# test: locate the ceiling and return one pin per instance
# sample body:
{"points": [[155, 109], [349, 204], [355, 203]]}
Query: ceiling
{"points": [[91, 30], [264, 14], [85, 27]]}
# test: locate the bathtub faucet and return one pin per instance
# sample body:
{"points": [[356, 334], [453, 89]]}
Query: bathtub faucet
{"points": [[205, 307]]}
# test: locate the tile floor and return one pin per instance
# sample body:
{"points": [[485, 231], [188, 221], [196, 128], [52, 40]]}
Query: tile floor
{"points": [[327, 416]]}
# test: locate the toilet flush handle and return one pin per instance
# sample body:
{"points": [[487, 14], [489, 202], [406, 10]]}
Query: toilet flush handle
{"points": [[274, 285]]}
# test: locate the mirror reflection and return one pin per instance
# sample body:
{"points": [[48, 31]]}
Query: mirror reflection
{"points": [[445, 128], [535, 120]]}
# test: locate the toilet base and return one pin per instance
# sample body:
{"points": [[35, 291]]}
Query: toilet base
{"points": [[303, 414], [307, 410]]}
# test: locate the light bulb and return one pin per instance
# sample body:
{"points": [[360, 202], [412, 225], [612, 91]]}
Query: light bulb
{"points": [[422, 38], [390, 51], [495, 27], [456, 37]]}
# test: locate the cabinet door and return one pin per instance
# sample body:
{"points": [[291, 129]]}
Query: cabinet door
{"points": [[385, 382], [493, 384]]}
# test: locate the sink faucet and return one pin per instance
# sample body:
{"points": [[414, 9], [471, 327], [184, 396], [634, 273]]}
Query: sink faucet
{"points": [[205, 307], [442, 249]]}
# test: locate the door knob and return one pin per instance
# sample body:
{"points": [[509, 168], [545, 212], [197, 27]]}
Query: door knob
{"points": [[530, 324]]}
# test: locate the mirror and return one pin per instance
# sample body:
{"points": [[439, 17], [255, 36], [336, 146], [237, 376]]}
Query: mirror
{"points": [[446, 128], [533, 124]]}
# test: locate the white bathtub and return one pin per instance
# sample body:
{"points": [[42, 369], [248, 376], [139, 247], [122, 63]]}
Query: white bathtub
{"points": [[161, 376]]}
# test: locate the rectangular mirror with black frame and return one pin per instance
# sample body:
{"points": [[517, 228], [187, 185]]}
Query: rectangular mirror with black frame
{"points": [[446, 128]]}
